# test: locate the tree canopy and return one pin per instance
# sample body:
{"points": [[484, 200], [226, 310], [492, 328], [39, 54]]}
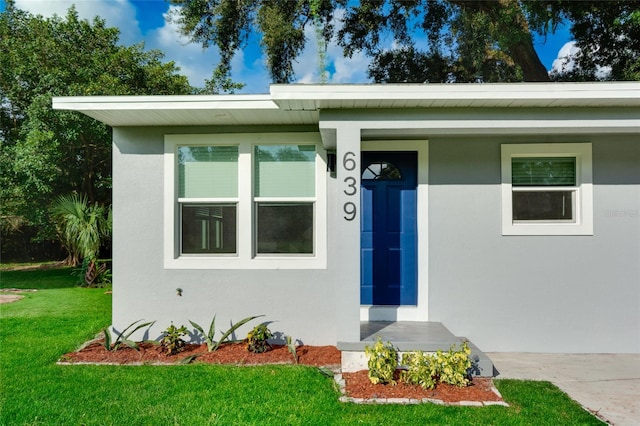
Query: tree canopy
{"points": [[46, 153], [425, 40]]}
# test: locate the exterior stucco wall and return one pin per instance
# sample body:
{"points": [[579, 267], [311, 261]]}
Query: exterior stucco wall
{"points": [[505, 293], [298, 303], [534, 293]]}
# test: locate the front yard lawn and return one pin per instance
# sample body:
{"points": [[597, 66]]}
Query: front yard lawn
{"points": [[37, 330]]}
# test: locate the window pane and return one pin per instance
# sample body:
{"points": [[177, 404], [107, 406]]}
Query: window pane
{"points": [[285, 228], [381, 170], [560, 171], [207, 171], [285, 171], [209, 229], [543, 205]]}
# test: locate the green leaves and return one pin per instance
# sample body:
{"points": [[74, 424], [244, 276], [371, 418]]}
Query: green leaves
{"points": [[213, 345], [81, 226], [382, 362], [419, 368], [291, 346], [123, 338], [427, 370], [46, 153], [172, 341], [257, 339]]}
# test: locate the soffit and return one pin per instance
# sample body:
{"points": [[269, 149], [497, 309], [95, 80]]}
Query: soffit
{"points": [[219, 110], [525, 95], [300, 104]]}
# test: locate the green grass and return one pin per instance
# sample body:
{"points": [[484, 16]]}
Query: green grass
{"points": [[37, 330]]}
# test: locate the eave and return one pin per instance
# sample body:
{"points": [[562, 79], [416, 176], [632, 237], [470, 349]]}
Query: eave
{"points": [[420, 109]]}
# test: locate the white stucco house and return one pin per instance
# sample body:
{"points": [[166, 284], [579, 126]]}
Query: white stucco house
{"points": [[510, 213]]}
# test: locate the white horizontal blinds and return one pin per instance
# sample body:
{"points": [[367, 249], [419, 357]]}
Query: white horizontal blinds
{"points": [[538, 171], [284, 171], [207, 171]]}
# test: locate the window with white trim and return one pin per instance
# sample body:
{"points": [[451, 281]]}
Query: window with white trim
{"points": [[245, 201], [284, 196], [547, 189], [208, 198]]}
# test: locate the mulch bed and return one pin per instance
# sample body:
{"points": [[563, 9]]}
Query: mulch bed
{"points": [[234, 353], [357, 386]]}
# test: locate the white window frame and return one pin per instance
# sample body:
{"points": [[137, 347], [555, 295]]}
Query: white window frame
{"points": [[245, 210], [282, 199], [583, 190]]}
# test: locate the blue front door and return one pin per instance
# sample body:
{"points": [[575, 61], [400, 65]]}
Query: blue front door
{"points": [[388, 228]]}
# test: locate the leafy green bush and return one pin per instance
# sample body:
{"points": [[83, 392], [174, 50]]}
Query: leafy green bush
{"points": [[213, 345], [172, 341], [421, 369], [257, 339], [382, 362], [454, 365], [451, 367], [123, 337]]}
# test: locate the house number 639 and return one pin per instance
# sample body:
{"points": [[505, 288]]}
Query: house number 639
{"points": [[349, 164]]}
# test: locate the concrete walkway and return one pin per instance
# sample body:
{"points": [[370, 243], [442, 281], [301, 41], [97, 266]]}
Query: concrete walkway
{"points": [[606, 384]]}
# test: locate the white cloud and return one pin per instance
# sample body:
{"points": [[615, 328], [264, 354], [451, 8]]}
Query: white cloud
{"points": [[345, 70], [253, 74], [566, 61], [116, 13], [248, 66], [194, 61]]}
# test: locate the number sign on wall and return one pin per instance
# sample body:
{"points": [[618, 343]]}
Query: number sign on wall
{"points": [[349, 164]]}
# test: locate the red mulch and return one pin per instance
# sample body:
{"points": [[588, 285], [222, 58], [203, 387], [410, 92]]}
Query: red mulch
{"points": [[228, 353], [358, 384]]}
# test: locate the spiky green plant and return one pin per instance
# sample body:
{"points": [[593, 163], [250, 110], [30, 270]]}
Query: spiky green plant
{"points": [[291, 345], [123, 338], [208, 337]]}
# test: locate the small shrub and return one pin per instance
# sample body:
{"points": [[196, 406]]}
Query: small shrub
{"points": [[454, 365], [451, 367], [172, 341], [421, 369], [213, 345], [123, 337], [257, 339], [382, 362]]}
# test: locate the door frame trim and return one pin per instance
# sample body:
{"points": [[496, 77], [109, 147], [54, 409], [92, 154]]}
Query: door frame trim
{"points": [[420, 312]]}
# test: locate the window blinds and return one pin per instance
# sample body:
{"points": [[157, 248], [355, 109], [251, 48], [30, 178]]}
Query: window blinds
{"points": [[207, 171], [551, 171]]}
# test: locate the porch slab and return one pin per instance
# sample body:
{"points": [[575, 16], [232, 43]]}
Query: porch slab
{"points": [[409, 336]]}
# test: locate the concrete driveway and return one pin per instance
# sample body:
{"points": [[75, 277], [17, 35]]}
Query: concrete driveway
{"points": [[605, 384]]}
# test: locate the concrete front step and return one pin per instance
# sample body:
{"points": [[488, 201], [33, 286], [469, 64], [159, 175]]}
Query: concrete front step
{"points": [[409, 336]]}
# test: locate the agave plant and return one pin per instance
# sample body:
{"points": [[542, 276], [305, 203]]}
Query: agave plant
{"points": [[209, 336], [123, 338]]}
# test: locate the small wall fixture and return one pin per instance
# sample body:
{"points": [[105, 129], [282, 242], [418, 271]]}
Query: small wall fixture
{"points": [[179, 291], [331, 161]]}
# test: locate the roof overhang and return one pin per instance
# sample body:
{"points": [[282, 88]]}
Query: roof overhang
{"points": [[493, 95], [427, 109]]}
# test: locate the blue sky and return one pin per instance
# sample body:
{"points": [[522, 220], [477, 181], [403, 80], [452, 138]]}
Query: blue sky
{"points": [[144, 21]]}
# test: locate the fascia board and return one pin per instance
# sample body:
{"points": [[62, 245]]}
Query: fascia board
{"points": [[498, 94], [191, 102]]}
